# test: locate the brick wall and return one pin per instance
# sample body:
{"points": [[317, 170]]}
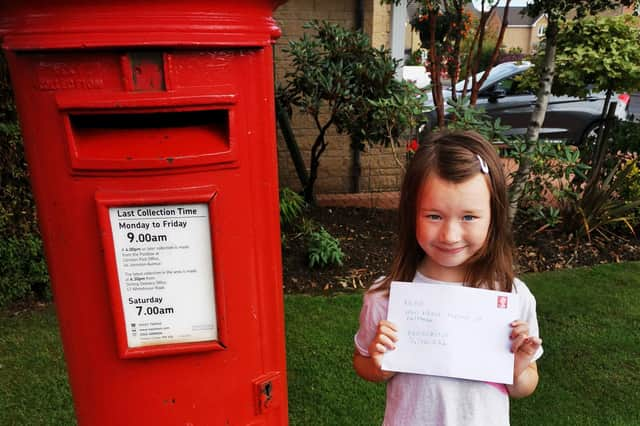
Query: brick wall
{"points": [[379, 170]]}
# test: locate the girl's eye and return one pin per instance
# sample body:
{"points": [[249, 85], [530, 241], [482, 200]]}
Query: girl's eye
{"points": [[468, 218], [433, 217]]}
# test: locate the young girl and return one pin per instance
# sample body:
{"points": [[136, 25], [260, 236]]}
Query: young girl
{"points": [[454, 229]]}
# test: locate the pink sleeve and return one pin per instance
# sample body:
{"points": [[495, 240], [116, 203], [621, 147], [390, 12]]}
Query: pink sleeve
{"points": [[374, 309]]}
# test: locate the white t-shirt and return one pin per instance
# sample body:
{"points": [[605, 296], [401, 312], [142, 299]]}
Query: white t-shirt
{"points": [[420, 400]]}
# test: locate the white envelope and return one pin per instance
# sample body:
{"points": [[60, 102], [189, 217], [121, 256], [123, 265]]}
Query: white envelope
{"points": [[453, 331]]}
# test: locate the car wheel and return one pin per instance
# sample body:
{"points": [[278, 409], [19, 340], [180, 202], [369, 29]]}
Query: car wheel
{"points": [[590, 136]]}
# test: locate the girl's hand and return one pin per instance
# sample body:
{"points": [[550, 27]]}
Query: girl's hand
{"points": [[523, 346], [385, 340]]}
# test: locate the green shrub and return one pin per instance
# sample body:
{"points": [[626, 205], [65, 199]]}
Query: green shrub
{"points": [[632, 191], [556, 193], [466, 117], [625, 136], [17, 210], [550, 192], [335, 77], [324, 249], [291, 206], [23, 270], [601, 207]]}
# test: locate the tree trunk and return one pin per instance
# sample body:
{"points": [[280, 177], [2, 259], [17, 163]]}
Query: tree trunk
{"points": [[292, 144], [434, 68], [454, 68], [475, 89], [319, 145], [537, 117]]}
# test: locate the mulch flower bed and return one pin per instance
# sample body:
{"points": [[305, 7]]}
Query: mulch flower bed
{"points": [[367, 238]]}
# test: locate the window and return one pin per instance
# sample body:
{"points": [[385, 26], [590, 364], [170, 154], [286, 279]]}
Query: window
{"points": [[399, 25], [541, 30]]}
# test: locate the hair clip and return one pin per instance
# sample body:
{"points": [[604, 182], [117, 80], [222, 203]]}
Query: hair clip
{"points": [[483, 165]]}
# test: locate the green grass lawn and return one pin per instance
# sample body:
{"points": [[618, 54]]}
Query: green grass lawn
{"points": [[589, 375]]}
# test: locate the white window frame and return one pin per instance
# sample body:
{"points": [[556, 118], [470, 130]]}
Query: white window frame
{"points": [[541, 30], [398, 28]]}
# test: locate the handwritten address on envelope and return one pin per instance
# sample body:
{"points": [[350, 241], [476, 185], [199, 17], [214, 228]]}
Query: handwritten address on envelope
{"points": [[453, 331]]}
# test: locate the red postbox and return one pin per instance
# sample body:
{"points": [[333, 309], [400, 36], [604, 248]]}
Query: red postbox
{"points": [[150, 136]]}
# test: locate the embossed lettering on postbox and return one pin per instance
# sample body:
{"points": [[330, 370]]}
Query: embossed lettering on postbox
{"points": [[72, 71]]}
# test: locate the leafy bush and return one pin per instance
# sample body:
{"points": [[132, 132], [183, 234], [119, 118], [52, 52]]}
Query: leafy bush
{"points": [[601, 207], [398, 113], [632, 191], [324, 249], [291, 206], [467, 117], [417, 57], [625, 137], [17, 209], [335, 74], [23, 270], [556, 193], [550, 190]]}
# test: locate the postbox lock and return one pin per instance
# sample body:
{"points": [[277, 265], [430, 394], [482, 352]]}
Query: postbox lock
{"points": [[265, 397], [147, 71], [266, 391]]}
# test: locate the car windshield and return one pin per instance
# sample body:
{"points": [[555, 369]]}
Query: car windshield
{"points": [[497, 73]]}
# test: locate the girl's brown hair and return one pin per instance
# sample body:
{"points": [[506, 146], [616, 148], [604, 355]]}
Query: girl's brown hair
{"points": [[453, 156]]}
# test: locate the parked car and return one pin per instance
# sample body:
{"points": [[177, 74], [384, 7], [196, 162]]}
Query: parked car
{"points": [[567, 118]]}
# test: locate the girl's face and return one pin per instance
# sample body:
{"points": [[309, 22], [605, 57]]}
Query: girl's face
{"points": [[452, 225]]}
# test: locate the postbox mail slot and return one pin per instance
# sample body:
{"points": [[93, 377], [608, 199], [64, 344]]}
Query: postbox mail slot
{"points": [[147, 140]]}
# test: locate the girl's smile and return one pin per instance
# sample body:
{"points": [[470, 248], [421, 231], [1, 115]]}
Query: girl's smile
{"points": [[452, 224]]}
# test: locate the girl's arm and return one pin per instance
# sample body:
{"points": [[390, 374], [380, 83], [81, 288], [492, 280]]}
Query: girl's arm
{"points": [[525, 383], [369, 367], [525, 371]]}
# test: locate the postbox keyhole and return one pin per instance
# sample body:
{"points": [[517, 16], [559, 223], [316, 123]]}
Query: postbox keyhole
{"points": [[147, 71], [266, 392], [266, 389]]}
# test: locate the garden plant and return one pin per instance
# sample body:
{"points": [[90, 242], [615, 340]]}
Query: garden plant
{"points": [[23, 271], [338, 80], [557, 13]]}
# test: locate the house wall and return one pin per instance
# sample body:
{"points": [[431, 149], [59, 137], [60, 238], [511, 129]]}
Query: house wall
{"points": [[379, 170], [517, 37], [535, 38]]}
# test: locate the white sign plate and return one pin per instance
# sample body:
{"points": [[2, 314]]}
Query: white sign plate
{"points": [[165, 271]]}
